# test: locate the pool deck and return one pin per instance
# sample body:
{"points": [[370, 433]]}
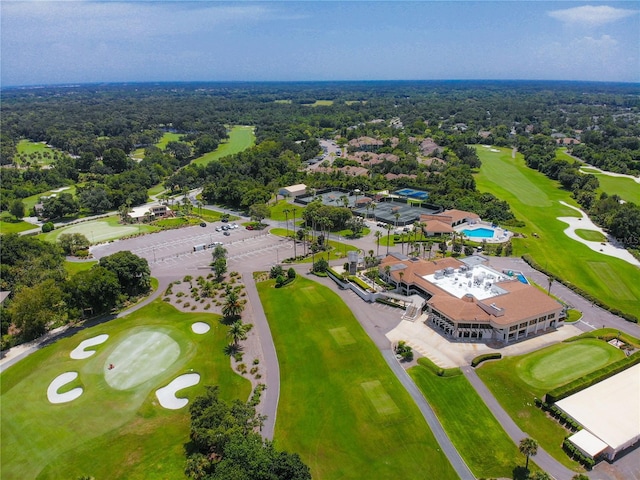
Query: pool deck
{"points": [[500, 235]]}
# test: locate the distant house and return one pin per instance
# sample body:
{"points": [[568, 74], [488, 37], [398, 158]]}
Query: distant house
{"points": [[293, 190], [443, 223], [365, 144]]}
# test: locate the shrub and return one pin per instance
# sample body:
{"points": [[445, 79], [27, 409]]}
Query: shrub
{"points": [[487, 356], [291, 273], [47, 227]]}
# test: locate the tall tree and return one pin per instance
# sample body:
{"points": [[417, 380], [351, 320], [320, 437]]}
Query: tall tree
{"points": [[132, 271], [529, 448]]}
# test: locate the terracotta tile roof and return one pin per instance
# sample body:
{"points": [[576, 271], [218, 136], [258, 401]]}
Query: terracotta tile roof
{"points": [[437, 226], [457, 215]]}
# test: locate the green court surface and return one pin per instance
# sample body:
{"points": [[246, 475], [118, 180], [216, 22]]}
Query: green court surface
{"points": [[535, 200], [341, 408], [108, 432], [102, 230]]}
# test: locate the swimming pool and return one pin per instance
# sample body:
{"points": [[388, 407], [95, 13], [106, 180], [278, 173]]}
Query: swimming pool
{"points": [[479, 233]]}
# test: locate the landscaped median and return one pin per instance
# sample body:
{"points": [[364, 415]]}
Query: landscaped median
{"points": [[341, 407]]}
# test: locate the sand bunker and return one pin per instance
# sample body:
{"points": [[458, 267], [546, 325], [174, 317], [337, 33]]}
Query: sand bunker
{"points": [[495, 150], [167, 395], [200, 328], [80, 351], [59, 382]]}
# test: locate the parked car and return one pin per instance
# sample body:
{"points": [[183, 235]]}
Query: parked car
{"points": [[203, 224], [227, 233]]}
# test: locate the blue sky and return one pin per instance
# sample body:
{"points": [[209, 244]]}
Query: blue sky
{"points": [[53, 42]]}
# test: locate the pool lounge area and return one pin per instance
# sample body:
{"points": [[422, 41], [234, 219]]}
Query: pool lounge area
{"points": [[484, 232]]}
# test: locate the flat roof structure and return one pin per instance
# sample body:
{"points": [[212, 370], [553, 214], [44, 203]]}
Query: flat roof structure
{"points": [[479, 281], [609, 410]]}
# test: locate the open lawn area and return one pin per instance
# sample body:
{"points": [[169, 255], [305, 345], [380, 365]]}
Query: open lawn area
{"points": [[241, 137], [102, 230], [74, 267], [338, 249], [35, 150], [8, 224], [29, 202], [535, 199], [517, 381], [277, 211], [474, 431], [341, 407], [116, 428], [625, 188]]}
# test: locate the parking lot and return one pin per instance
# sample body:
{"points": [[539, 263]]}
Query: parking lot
{"points": [[178, 251]]}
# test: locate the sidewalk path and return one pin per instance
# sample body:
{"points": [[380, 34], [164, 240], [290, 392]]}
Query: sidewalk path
{"points": [[271, 368]]}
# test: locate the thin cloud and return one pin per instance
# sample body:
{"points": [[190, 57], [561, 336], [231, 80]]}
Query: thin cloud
{"points": [[590, 15]]}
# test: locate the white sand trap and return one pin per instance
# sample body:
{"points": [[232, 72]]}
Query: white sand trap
{"points": [[59, 382], [80, 351], [167, 395], [200, 328], [494, 150], [610, 247]]}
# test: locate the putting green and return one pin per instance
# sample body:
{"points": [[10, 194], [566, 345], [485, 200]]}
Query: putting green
{"points": [[140, 357], [562, 363]]}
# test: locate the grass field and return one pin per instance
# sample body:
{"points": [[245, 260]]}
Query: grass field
{"points": [[341, 407], [74, 267], [277, 211], [338, 250], [29, 202], [108, 432], [590, 235], [98, 231], [626, 188], [29, 148], [516, 381], [535, 199], [241, 137], [476, 434], [8, 224]]}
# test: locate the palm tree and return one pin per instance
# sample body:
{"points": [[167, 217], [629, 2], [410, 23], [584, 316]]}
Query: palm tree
{"points": [[401, 277], [237, 331], [378, 234], [528, 447], [295, 255], [550, 280], [232, 307], [388, 235], [286, 216], [387, 271]]}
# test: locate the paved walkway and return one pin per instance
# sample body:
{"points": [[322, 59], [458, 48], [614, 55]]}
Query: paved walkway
{"points": [[270, 366]]}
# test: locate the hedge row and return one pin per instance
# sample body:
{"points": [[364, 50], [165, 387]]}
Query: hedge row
{"points": [[591, 379], [439, 371], [576, 454], [558, 414], [358, 281], [384, 301], [486, 356], [627, 316]]}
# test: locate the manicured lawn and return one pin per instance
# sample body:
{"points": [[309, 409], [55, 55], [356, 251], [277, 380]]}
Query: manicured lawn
{"points": [[591, 235], [109, 433], [8, 224], [535, 200], [474, 431], [277, 211], [338, 250], [29, 202], [516, 381], [626, 188], [74, 267], [31, 149], [341, 407], [101, 230], [241, 137], [166, 138]]}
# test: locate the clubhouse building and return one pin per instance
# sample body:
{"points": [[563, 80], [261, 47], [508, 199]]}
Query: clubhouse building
{"points": [[467, 300]]}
